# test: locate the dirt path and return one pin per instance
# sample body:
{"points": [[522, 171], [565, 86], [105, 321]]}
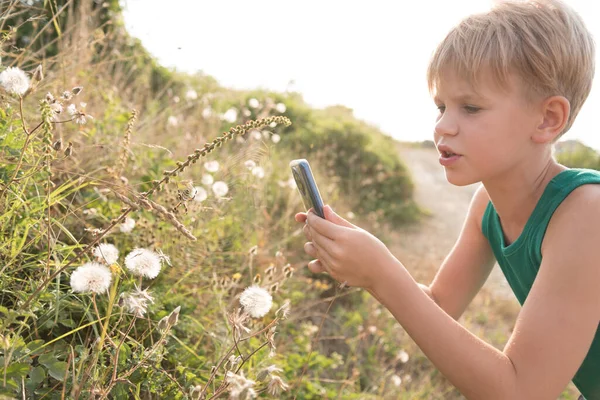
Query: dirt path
{"points": [[423, 247]]}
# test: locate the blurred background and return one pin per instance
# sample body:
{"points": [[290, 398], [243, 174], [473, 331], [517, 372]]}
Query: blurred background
{"points": [[370, 57]]}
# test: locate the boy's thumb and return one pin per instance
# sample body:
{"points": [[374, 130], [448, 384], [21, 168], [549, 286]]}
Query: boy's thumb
{"points": [[330, 215]]}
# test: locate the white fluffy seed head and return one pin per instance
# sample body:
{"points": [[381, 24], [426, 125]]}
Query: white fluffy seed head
{"points": [[143, 262], [220, 188], [106, 253], [256, 301], [14, 80], [91, 277]]}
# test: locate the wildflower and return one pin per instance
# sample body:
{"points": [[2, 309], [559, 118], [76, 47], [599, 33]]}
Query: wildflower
{"points": [[396, 380], [207, 113], [240, 387], [309, 329], [172, 121], [280, 107], [275, 138], [259, 172], [250, 164], [207, 179], [262, 374], [143, 262], [137, 301], [253, 103], [230, 115], [191, 95], [91, 277], [256, 301], [66, 95], [56, 107], [402, 356], [276, 385], [220, 188], [72, 109], [256, 134], [238, 320], [127, 225], [14, 80], [57, 145], [69, 150], [163, 257], [174, 316], [107, 253], [201, 194], [284, 310], [211, 166]]}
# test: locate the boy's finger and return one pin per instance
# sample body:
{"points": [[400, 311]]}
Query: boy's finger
{"points": [[316, 267], [324, 227], [300, 217], [306, 230], [310, 249]]}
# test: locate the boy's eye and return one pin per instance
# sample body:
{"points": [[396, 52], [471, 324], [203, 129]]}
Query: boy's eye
{"points": [[471, 109], [441, 109]]}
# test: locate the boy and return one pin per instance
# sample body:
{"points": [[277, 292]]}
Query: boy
{"points": [[508, 83]]}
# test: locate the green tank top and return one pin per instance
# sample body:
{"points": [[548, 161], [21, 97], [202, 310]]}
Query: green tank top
{"points": [[520, 260]]}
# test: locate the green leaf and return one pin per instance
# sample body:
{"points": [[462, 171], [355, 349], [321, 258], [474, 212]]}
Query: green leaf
{"points": [[19, 370], [57, 370], [37, 375]]}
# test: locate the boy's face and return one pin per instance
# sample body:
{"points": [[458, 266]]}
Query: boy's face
{"points": [[488, 131]]}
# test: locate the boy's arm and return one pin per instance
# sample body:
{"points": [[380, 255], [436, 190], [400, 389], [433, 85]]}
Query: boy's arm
{"points": [[553, 332], [467, 266]]}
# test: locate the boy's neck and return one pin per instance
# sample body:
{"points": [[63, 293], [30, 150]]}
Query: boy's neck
{"points": [[517, 193]]}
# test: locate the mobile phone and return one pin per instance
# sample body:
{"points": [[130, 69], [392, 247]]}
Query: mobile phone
{"points": [[307, 186]]}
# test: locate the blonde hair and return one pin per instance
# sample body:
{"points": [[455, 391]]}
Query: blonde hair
{"points": [[544, 42]]}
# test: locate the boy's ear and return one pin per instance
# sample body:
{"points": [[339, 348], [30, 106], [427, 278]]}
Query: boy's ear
{"points": [[555, 114]]}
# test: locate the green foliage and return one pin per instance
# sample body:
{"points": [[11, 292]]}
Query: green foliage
{"points": [[574, 154]]}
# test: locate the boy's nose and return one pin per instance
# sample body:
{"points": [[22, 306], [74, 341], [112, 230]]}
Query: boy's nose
{"points": [[446, 125]]}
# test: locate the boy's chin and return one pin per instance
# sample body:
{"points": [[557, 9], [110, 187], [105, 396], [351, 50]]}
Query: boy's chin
{"points": [[458, 179]]}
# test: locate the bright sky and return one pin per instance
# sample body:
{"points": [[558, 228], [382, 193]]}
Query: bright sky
{"points": [[370, 56]]}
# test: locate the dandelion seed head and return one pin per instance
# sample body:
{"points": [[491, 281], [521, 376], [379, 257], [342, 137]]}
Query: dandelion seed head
{"points": [[143, 262], [207, 113], [259, 172], [231, 115], [280, 107], [211, 166], [91, 277], [220, 188], [106, 253], [136, 302], [396, 380], [256, 301], [402, 356], [207, 179], [249, 164], [172, 121], [272, 124], [246, 112], [72, 109], [14, 80], [127, 225], [276, 385], [275, 138], [191, 94], [201, 194], [256, 134], [253, 103]]}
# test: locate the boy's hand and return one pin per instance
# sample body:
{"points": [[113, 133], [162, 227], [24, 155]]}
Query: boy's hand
{"points": [[345, 251]]}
